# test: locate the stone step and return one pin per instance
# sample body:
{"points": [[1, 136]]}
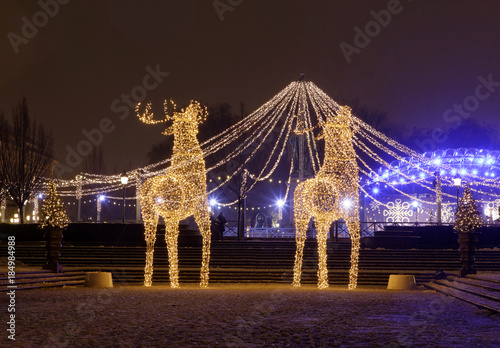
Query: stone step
{"points": [[42, 279], [480, 286], [262, 263], [452, 254], [479, 282], [48, 285], [258, 261], [490, 278], [467, 296], [43, 274], [234, 275], [471, 289]]}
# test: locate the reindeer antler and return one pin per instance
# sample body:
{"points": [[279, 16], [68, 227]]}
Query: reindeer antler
{"points": [[303, 129], [201, 111], [147, 116], [165, 109]]}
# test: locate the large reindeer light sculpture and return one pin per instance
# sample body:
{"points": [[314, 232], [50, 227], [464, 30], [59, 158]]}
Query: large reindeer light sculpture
{"points": [[332, 194], [179, 193]]}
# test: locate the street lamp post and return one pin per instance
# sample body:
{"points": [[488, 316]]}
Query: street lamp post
{"points": [[415, 208], [457, 182], [124, 181]]}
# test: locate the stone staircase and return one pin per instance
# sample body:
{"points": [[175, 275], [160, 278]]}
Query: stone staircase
{"points": [[37, 279], [264, 261], [480, 290]]}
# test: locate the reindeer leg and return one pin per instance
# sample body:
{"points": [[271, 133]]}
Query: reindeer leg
{"points": [[202, 218], [321, 236], [354, 231], [171, 236], [150, 222], [300, 238]]}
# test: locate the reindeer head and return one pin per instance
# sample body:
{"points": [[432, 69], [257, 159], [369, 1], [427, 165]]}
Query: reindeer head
{"points": [[193, 115], [343, 119]]}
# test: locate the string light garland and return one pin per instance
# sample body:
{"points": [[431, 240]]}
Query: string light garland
{"points": [[179, 193], [332, 194], [250, 134]]}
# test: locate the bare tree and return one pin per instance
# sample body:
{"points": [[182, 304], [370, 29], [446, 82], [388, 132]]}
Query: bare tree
{"points": [[238, 187], [26, 155], [94, 163]]}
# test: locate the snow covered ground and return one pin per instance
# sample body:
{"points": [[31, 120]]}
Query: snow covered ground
{"points": [[248, 315]]}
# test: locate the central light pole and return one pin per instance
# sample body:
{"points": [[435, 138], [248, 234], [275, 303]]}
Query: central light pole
{"points": [[457, 182], [124, 181], [414, 204]]}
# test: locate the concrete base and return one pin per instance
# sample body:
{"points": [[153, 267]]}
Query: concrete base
{"points": [[98, 280], [401, 282]]}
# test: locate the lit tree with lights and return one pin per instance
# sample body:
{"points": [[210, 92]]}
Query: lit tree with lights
{"points": [[468, 219], [53, 219], [53, 212]]}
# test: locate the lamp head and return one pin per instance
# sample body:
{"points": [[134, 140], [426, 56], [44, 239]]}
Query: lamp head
{"points": [[124, 178]]}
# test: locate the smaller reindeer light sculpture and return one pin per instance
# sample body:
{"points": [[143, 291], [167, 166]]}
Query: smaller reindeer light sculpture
{"points": [[332, 194]]}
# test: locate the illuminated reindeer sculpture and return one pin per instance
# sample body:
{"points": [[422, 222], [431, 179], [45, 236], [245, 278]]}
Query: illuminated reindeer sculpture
{"points": [[179, 193], [332, 194]]}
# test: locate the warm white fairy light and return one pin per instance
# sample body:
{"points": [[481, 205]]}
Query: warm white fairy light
{"points": [[255, 129], [179, 193], [3, 201], [322, 197]]}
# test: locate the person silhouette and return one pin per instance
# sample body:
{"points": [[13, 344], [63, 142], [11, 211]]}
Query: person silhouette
{"points": [[220, 223]]}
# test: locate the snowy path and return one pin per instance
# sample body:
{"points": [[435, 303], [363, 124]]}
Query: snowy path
{"points": [[250, 315]]}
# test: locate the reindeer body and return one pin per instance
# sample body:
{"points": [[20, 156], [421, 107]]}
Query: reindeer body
{"points": [[178, 194], [332, 194]]}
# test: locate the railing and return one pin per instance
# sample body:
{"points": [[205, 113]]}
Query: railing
{"points": [[231, 229], [338, 230]]}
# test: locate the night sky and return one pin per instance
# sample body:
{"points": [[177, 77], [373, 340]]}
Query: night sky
{"points": [[74, 67]]}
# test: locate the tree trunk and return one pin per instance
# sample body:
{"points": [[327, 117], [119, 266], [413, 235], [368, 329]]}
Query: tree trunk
{"points": [[21, 213], [467, 242], [241, 217], [53, 238]]}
